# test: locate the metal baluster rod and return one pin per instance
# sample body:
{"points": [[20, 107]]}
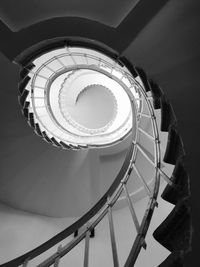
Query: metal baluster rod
{"points": [[165, 176], [145, 154], [149, 193], [60, 62], [25, 264], [57, 260], [112, 237], [86, 253], [147, 134], [144, 115], [46, 66], [131, 208]]}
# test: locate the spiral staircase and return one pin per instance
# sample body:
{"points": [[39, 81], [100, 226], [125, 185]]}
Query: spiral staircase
{"points": [[152, 170]]}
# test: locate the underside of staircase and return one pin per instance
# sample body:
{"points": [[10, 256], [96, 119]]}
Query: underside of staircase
{"points": [[137, 182]]}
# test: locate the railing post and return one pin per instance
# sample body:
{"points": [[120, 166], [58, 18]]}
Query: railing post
{"points": [[57, 260], [112, 237], [25, 264], [86, 253]]}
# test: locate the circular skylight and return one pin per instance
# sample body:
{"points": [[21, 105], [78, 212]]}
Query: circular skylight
{"points": [[79, 97]]}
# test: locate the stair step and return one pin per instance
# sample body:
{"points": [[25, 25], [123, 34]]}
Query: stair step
{"points": [[25, 70], [156, 93], [31, 120], [22, 84], [180, 178], [25, 110], [128, 64], [65, 145], [55, 142], [23, 97], [38, 130], [46, 137], [167, 114], [174, 148], [174, 233], [143, 78], [173, 260]]}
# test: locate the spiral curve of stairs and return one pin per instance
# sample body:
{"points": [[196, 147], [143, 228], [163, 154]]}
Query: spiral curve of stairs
{"points": [[156, 141]]}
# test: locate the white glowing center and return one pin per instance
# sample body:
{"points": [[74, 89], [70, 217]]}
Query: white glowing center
{"points": [[94, 108]]}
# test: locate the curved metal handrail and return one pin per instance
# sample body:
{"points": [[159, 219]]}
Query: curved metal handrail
{"points": [[108, 200]]}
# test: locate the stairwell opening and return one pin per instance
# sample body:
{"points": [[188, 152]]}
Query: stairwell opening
{"points": [[76, 97]]}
